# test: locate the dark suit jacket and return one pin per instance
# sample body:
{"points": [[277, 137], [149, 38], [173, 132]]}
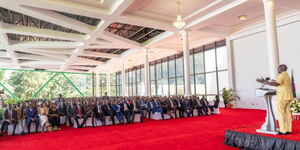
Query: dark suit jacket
{"points": [[14, 115], [76, 110], [31, 114]]}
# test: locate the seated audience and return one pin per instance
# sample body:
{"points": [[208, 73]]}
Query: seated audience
{"points": [[9, 117], [53, 116], [32, 117], [98, 108], [43, 112]]}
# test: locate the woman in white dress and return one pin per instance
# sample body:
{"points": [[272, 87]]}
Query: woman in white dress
{"points": [[43, 112]]}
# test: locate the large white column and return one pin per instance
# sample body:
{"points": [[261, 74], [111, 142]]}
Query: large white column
{"points": [[271, 30], [186, 63], [108, 81], [123, 77], [97, 84], [147, 73]]}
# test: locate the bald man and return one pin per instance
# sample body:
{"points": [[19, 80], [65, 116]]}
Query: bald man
{"points": [[283, 99]]}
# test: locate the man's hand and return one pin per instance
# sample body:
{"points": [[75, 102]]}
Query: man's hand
{"points": [[260, 80]]}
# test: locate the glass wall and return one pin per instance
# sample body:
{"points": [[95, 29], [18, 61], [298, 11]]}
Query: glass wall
{"points": [[208, 66], [29, 84], [135, 81]]}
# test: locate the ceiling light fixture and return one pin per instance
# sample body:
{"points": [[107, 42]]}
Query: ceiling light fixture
{"points": [[243, 17], [179, 23]]}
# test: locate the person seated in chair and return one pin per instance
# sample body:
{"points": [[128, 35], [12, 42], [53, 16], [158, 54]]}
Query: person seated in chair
{"points": [[99, 112], [125, 110], [117, 109], [89, 113], [21, 113], [9, 117], [216, 103], [32, 117], [79, 113], [158, 108], [69, 113], [204, 104], [53, 116], [43, 112]]}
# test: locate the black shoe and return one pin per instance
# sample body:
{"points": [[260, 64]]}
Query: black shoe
{"points": [[289, 133], [1, 134], [282, 133], [14, 134], [22, 133]]}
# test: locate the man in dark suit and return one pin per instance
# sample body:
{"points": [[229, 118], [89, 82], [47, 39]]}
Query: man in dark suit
{"points": [[9, 117], [79, 113], [204, 103], [69, 113], [100, 113], [32, 117], [216, 103]]}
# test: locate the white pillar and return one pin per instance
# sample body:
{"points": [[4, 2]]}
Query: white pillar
{"points": [[108, 81], [123, 77], [271, 30], [186, 63], [230, 63], [97, 84], [147, 73]]}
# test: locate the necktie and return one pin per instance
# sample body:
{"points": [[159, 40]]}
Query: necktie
{"points": [[79, 111], [9, 114]]}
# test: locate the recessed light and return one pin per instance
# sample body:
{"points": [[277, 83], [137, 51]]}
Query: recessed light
{"points": [[243, 17]]}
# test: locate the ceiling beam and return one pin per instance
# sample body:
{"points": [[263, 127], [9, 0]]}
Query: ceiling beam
{"points": [[31, 31], [69, 7], [99, 54], [43, 44], [146, 22], [89, 61], [37, 57], [47, 15]]}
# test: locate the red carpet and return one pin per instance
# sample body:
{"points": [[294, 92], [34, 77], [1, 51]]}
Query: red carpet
{"points": [[206, 132]]}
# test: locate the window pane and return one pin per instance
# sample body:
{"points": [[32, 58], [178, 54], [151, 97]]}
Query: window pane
{"points": [[142, 74], [165, 69], [141, 88], [103, 79], [192, 84], [112, 90], [179, 67], [126, 78], [191, 64], [159, 87], [152, 72], [165, 87], [223, 80], [172, 68], [211, 83], [210, 60], [153, 92], [199, 63], [158, 71], [133, 76], [222, 58], [138, 75], [172, 86], [134, 89], [180, 87], [200, 84]]}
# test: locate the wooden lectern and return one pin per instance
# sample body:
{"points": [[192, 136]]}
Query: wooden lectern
{"points": [[269, 127]]}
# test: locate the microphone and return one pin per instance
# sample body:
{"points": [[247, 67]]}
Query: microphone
{"points": [[267, 78]]}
